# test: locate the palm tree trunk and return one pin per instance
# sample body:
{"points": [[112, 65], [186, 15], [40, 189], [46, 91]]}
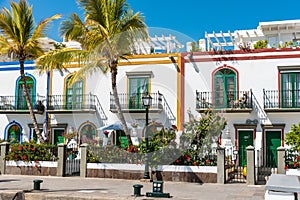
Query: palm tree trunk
{"points": [[114, 72], [28, 101]]}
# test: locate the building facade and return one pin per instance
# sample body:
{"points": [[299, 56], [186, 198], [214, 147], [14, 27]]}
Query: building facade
{"points": [[255, 89]]}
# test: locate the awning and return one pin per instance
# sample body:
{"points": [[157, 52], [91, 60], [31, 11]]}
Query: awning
{"points": [[113, 126]]}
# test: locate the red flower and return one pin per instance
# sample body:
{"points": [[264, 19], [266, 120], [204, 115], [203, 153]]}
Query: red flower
{"points": [[177, 161], [207, 161], [286, 167], [188, 158], [195, 163], [295, 164], [20, 147], [24, 157], [32, 149], [105, 132]]}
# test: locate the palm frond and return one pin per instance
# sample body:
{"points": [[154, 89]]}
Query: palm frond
{"points": [[39, 31], [61, 59]]}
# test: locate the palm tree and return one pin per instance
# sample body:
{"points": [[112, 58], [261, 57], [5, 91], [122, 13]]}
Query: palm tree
{"points": [[20, 38], [108, 33]]}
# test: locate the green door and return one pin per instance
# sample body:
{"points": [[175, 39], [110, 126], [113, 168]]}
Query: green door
{"points": [[224, 88], [121, 138], [245, 140], [74, 95], [290, 90], [58, 136], [21, 101], [137, 87], [273, 141]]}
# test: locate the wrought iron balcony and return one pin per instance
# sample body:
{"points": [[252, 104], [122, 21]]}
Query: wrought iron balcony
{"points": [[281, 100], [18, 104], [134, 103], [72, 103], [230, 101]]}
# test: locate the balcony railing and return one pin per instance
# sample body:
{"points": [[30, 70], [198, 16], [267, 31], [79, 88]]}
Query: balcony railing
{"points": [[281, 99], [236, 101], [18, 103], [84, 102], [133, 102]]}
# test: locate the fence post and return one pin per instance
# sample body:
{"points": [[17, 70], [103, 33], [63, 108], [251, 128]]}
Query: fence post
{"points": [[61, 163], [250, 165], [83, 159], [4, 151], [221, 165], [280, 160]]}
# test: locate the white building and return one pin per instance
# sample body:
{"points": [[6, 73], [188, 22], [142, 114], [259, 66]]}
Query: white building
{"points": [[256, 90]]}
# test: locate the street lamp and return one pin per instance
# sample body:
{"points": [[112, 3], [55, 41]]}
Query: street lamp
{"points": [[147, 103]]}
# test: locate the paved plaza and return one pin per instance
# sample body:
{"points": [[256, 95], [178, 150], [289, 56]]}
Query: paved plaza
{"points": [[67, 188]]}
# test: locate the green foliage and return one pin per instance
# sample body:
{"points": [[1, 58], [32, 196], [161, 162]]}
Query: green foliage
{"points": [[292, 138], [200, 135], [261, 44], [30, 151], [292, 159], [195, 47], [112, 154], [194, 149]]}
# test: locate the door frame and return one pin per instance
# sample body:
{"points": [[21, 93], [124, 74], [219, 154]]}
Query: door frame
{"points": [[238, 141], [271, 127], [265, 143], [250, 126]]}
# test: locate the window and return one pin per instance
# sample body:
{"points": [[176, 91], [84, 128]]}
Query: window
{"points": [[21, 101], [34, 136], [137, 87], [88, 133], [224, 88], [14, 133], [58, 135], [290, 90], [74, 94]]}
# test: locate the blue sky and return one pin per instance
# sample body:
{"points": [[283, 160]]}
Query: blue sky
{"points": [[189, 19]]}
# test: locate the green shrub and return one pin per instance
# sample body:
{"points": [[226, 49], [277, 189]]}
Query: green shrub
{"points": [[30, 151]]}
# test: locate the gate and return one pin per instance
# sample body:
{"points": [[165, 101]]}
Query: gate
{"points": [[235, 170], [72, 167], [266, 164]]}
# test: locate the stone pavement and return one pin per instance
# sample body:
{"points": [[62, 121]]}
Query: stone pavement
{"points": [[20, 187]]}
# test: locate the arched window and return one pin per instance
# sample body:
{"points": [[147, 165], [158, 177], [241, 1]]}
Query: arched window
{"points": [[20, 99], [14, 133], [224, 87], [74, 94], [87, 133]]}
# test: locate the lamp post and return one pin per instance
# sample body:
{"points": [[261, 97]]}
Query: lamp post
{"points": [[146, 102]]}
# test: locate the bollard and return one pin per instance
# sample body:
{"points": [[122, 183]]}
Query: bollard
{"points": [[137, 189], [37, 184], [158, 190]]}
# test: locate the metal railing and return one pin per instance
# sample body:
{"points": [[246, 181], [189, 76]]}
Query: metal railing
{"points": [[220, 100], [15, 103], [281, 99], [135, 102], [72, 102]]}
